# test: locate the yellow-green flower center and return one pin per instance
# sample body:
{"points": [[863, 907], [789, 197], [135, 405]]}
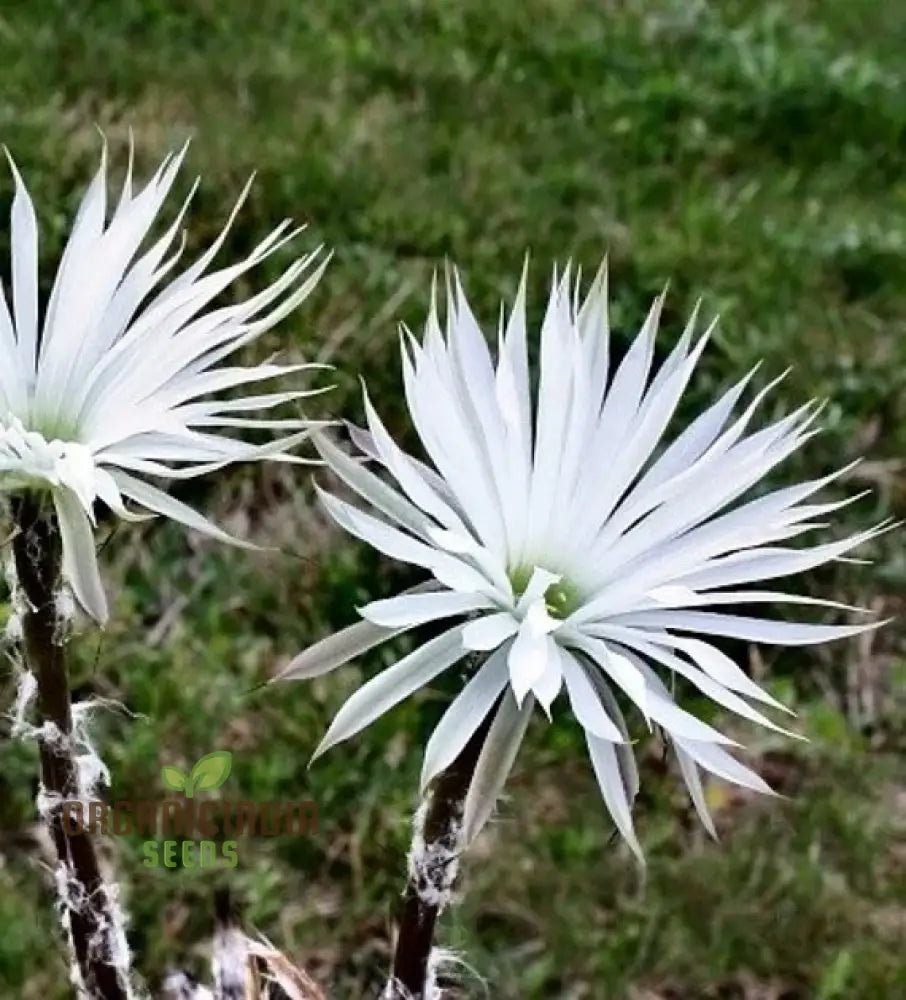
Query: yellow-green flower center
{"points": [[561, 599]]}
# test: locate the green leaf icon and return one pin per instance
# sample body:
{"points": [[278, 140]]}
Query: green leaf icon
{"points": [[173, 778], [210, 771]]}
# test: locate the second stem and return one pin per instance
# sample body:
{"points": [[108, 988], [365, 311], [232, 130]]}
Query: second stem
{"points": [[38, 553]]}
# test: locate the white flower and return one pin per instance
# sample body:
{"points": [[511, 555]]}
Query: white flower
{"points": [[117, 381], [584, 555]]}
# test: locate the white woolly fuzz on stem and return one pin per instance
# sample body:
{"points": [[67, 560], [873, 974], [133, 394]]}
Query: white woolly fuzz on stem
{"points": [[433, 866], [21, 729], [47, 803], [178, 986], [93, 773], [108, 942], [435, 960], [65, 609], [18, 604], [26, 690], [230, 964], [69, 897], [440, 959]]}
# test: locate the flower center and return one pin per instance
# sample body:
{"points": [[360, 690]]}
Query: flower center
{"points": [[29, 459], [561, 599]]}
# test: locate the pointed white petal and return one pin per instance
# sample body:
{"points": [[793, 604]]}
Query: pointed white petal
{"points": [[537, 587], [162, 503], [693, 782], [392, 685], [741, 627], [673, 595], [719, 666], [625, 753], [24, 249], [709, 687], [526, 660], [370, 487], [466, 713], [333, 651], [451, 572], [621, 669], [409, 610], [548, 685], [585, 703], [489, 631], [494, 764], [719, 762], [80, 565], [613, 789], [675, 720]]}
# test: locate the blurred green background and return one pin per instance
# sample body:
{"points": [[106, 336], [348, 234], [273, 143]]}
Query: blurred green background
{"points": [[751, 153]]}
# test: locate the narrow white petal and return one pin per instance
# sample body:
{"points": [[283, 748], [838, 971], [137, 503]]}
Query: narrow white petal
{"points": [[335, 650], [737, 597], [526, 659], [162, 503], [722, 668], [625, 752], [494, 764], [364, 441], [409, 610], [621, 670], [613, 789], [451, 572], [672, 595], [709, 687], [392, 685], [666, 713], [13, 387], [466, 713], [720, 763], [489, 631], [548, 685], [24, 248], [484, 559], [80, 565], [693, 782], [370, 487], [749, 629], [687, 448], [382, 536], [109, 493], [406, 474], [537, 586], [585, 703]]}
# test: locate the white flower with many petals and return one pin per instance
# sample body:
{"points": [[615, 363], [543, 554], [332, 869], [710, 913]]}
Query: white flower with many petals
{"points": [[585, 556], [116, 382]]}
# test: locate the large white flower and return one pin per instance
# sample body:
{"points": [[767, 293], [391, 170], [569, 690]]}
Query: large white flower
{"points": [[116, 382], [583, 555]]}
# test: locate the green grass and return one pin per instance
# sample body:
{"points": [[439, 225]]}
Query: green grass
{"points": [[748, 153]]}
